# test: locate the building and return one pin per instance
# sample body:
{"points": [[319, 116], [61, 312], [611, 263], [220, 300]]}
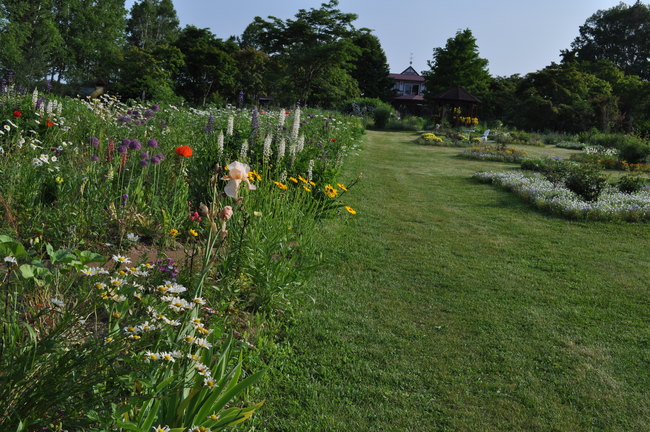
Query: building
{"points": [[409, 91]]}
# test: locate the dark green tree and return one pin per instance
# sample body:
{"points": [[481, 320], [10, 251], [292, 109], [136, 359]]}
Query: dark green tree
{"points": [[501, 101], [93, 38], [152, 23], [252, 66], [371, 67], [29, 39], [209, 72], [458, 63], [311, 55], [562, 97], [620, 34]]}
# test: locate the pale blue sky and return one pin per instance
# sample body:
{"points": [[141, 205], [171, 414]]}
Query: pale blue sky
{"points": [[516, 36]]}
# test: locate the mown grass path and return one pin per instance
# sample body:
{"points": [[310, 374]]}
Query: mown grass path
{"points": [[449, 305]]}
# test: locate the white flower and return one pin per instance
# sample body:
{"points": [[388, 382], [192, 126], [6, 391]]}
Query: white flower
{"points": [[57, 302], [53, 159], [161, 428], [7, 128], [237, 172], [10, 259], [198, 300], [133, 238], [202, 343], [121, 259]]}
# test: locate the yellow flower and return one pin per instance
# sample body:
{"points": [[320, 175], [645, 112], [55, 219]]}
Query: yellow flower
{"points": [[282, 186], [312, 183], [193, 233], [173, 232], [306, 188], [117, 315], [253, 176], [342, 186], [293, 179], [302, 179], [350, 210], [330, 191], [59, 180]]}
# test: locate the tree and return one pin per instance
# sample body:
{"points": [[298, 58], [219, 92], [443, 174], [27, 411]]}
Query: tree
{"points": [[152, 23], [458, 63], [371, 67], [620, 34], [252, 66], [311, 55], [93, 36], [29, 38], [209, 71], [562, 97]]}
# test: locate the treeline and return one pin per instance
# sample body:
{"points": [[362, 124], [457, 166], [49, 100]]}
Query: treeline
{"points": [[601, 82], [318, 57]]}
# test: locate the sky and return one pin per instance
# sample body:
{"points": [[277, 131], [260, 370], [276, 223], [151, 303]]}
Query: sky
{"points": [[515, 36]]}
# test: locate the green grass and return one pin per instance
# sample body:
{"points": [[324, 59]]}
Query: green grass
{"points": [[450, 305]]}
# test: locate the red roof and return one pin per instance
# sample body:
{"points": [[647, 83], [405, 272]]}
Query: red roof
{"points": [[407, 77]]}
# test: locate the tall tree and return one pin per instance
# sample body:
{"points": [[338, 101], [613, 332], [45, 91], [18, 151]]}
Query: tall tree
{"points": [[209, 72], [93, 37], [458, 63], [152, 23], [29, 38], [620, 34], [311, 55], [371, 67], [252, 66]]}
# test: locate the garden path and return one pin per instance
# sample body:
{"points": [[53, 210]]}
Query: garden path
{"points": [[449, 305]]}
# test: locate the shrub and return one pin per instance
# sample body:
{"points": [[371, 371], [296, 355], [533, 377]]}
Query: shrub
{"points": [[362, 107], [630, 183], [586, 181], [412, 123], [571, 145], [634, 151], [381, 116]]}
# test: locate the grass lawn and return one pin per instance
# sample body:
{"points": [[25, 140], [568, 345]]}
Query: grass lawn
{"points": [[450, 305]]}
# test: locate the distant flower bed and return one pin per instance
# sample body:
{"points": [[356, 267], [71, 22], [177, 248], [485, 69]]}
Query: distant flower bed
{"points": [[543, 194], [494, 153]]}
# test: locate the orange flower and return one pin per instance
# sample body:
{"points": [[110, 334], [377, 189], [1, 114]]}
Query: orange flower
{"points": [[49, 123], [185, 151]]}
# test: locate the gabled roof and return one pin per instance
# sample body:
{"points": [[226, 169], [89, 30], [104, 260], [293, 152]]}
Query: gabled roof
{"points": [[456, 94], [409, 74]]}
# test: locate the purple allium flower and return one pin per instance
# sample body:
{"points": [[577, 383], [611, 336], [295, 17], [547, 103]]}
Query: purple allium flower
{"points": [[126, 142], [155, 107], [144, 155], [135, 145], [123, 119], [152, 143], [125, 198], [144, 162], [148, 114], [155, 160], [94, 158], [94, 141], [160, 156], [135, 114], [123, 149]]}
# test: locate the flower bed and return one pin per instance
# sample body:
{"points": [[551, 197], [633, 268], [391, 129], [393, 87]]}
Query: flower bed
{"points": [[494, 153], [611, 205]]}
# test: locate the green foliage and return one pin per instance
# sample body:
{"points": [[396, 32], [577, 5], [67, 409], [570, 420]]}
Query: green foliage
{"points": [[587, 181], [152, 23], [632, 149], [619, 34], [371, 67], [458, 63], [381, 115], [311, 55], [362, 107], [631, 183]]}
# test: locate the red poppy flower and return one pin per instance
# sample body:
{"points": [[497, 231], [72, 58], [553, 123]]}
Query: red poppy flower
{"points": [[49, 123], [185, 151], [333, 140], [17, 114], [287, 112]]}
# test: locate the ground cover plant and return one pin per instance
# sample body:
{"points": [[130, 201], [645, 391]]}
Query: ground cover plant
{"points": [[135, 237], [500, 153]]}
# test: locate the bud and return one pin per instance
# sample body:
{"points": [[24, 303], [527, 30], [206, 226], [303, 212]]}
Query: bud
{"points": [[226, 213], [203, 210]]}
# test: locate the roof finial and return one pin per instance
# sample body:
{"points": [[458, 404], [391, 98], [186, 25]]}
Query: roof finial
{"points": [[411, 60]]}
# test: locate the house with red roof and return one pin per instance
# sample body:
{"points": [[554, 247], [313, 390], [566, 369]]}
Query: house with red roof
{"points": [[409, 91]]}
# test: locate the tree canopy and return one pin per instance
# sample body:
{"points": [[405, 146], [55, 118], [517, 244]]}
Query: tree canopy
{"points": [[458, 63]]}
